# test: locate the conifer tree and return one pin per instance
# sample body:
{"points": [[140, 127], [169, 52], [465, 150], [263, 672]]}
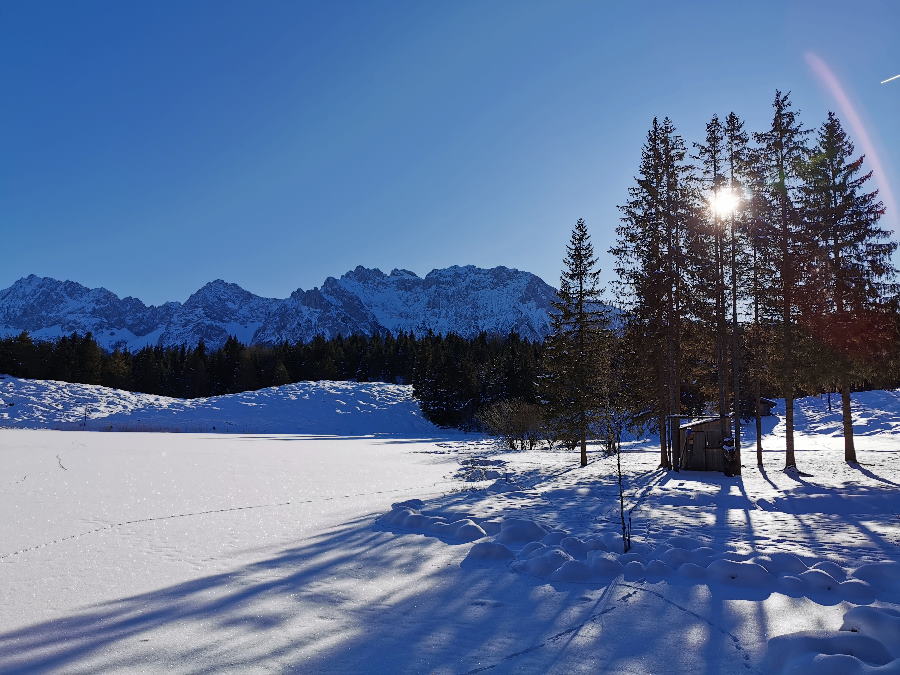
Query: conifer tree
{"points": [[651, 266], [712, 156], [783, 151], [737, 164], [575, 353], [851, 315]]}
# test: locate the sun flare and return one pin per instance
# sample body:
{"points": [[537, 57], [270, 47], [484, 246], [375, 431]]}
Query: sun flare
{"points": [[724, 201]]}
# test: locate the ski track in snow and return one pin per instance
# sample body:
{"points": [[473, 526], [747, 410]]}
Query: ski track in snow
{"points": [[151, 519]]}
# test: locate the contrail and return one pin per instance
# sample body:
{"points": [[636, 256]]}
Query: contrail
{"points": [[889, 79]]}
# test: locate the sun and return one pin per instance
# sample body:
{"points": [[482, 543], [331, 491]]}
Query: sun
{"points": [[723, 202]]}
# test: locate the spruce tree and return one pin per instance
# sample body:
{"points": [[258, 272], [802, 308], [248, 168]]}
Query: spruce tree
{"points": [[856, 272], [575, 352], [652, 268], [712, 156], [737, 164], [783, 151]]}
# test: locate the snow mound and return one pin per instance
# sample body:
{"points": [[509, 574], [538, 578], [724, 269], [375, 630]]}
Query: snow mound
{"points": [[403, 516], [868, 642], [573, 571], [880, 623], [883, 577], [544, 563], [327, 408], [487, 551], [782, 563], [827, 653], [520, 531], [604, 564]]}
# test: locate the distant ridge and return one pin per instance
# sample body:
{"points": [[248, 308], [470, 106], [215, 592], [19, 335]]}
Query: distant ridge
{"points": [[463, 300]]}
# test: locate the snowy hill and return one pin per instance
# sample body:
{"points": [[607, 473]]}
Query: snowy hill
{"points": [[462, 300], [332, 408]]}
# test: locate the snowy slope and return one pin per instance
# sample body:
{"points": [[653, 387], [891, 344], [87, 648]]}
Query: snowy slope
{"points": [[463, 300], [333, 408], [242, 554]]}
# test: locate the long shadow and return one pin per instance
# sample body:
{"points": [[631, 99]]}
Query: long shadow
{"points": [[290, 612], [871, 474]]}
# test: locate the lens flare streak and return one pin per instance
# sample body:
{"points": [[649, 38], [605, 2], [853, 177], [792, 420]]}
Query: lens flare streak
{"points": [[850, 114]]}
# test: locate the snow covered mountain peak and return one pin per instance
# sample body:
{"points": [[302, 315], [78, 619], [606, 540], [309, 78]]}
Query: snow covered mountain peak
{"points": [[461, 299]]}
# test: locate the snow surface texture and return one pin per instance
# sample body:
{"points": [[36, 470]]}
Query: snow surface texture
{"points": [[336, 408], [252, 553], [463, 300]]}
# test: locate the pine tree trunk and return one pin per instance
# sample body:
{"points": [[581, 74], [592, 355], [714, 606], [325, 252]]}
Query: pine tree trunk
{"points": [[735, 352], [789, 459], [720, 332], [583, 447], [663, 448], [849, 447], [759, 448], [626, 534]]}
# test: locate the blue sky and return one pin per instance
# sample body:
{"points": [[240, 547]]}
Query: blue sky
{"points": [[150, 147]]}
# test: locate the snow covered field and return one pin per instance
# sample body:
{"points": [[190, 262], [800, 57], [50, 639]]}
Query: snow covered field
{"points": [[243, 552]]}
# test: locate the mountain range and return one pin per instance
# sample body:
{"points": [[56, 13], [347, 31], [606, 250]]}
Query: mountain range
{"points": [[463, 300]]}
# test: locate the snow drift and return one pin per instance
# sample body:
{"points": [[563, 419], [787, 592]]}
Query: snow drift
{"points": [[329, 408]]}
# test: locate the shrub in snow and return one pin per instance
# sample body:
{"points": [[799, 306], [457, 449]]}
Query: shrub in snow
{"points": [[416, 521], [440, 527], [520, 531], [782, 563], [613, 541], [819, 581], [880, 623], [573, 571], [595, 543], [702, 552], [488, 551], [832, 569], [543, 564], [397, 516], [604, 564], [739, 573], [553, 537], [857, 591], [884, 577], [490, 526], [533, 548], [414, 504], [467, 530], [677, 556], [633, 571], [691, 571], [574, 546], [792, 586], [657, 568], [686, 543]]}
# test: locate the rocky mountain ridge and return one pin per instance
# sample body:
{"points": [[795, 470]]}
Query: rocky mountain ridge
{"points": [[463, 300]]}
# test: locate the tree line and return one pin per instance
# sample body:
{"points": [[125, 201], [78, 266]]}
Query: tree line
{"points": [[454, 378]]}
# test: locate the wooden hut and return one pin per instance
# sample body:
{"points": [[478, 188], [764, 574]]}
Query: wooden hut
{"points": [[699, 445]]}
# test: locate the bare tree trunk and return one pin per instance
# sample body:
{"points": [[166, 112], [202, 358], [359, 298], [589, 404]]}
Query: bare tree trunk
{"points": [[849, 447]]}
